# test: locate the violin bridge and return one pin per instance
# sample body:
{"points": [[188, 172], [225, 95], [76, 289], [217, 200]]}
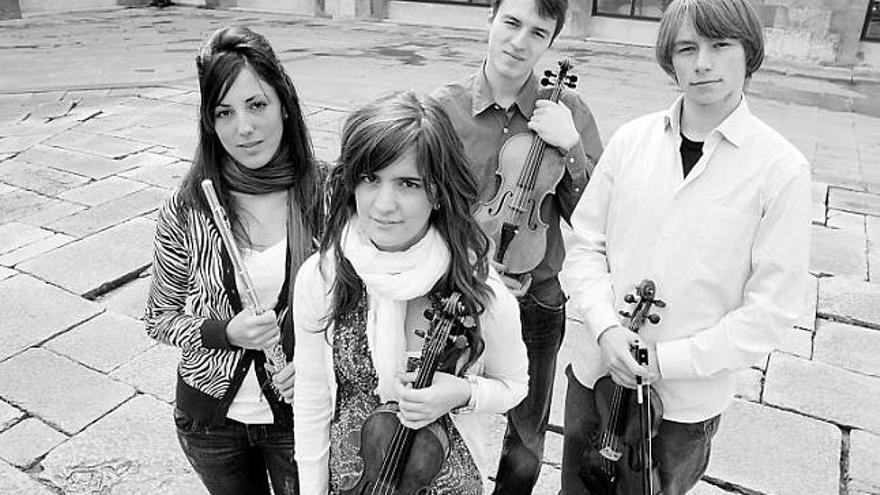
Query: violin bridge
{"points": [[610, 454]]}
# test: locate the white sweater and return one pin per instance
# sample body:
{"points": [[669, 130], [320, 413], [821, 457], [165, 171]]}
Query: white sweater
{"points": [[501, 371]]}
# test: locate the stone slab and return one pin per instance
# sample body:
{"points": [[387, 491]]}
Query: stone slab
{"points": [[144, 160], [14, 481], [33, 249], [864, 463], [798, 342], [14, 235], [85, 164], [872, 227], [704, 488], [838, 219], [87, 266], [102, 191], [129, 300], [807, 319], [63, 393], [166, 176], [28, 441], [765, 450], [819, 195], [839, 252], [749, 383], [854, 201], [20, 203], [822, 391], [847, 346], [51, 212], [33, 311], [153, 372], [849, 301], [15, 144], [132, 450], [102, 145], [7, 272], [39, 178], [104, 343], [111, 213], [9, 415]]}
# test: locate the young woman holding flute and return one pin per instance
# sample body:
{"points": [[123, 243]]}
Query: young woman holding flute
{"points": [[226, 306]]}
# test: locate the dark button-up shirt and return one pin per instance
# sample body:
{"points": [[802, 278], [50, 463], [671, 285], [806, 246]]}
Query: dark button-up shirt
{"points": [[483, 127]]}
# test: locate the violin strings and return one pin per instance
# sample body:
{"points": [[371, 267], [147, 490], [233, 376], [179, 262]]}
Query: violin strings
{"points": [[528, 175], [394, 456]]}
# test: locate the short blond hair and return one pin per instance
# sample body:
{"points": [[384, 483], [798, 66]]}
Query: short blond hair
{"points": [[716, 19]]}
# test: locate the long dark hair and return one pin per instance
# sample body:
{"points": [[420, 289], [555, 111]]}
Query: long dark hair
{"points": [[375, 136], [224, 55]]}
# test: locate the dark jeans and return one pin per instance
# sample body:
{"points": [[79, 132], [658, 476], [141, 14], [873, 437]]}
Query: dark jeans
{"points": [[681, 449], [233, 459], [543, 326]]}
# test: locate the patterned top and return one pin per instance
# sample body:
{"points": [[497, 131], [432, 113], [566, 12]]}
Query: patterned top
{"points": [[192, 297], [356, 378]]}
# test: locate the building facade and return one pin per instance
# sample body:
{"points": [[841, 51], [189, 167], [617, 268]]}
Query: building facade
{"points": [[836, 33]]}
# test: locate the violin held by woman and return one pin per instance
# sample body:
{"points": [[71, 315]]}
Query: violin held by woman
{"points": [[400, 239]]}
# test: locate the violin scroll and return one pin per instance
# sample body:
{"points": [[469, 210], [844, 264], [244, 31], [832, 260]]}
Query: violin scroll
{"points": [[563, 78]]}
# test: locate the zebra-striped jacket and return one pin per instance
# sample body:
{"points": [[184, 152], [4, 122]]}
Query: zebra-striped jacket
{"points": [[192, 297]]}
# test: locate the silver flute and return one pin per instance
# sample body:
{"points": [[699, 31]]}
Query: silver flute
{"points": [[275, 353]]}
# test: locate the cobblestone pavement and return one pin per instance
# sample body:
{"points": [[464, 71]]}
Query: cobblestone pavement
{"points": [[97, 122]]}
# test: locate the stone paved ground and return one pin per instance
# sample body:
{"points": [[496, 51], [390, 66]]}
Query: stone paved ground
{"points": [[97, 124]]}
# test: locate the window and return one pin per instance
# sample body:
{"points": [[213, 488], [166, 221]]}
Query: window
{"points": [[481, 3], [871, 30], [633, 9]]}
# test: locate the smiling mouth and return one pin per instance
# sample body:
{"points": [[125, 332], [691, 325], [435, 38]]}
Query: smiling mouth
{"points": [[513, 56], [705, 83], [384, 223], [249, 145]]}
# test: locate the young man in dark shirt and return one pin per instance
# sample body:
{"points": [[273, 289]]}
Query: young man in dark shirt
{"points": [[503, 98]]}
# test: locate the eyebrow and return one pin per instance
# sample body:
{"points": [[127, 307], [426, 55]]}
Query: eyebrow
{"points": [[250, 99]]}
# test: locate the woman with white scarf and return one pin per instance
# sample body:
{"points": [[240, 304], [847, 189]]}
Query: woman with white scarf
{"points": [[400, 234]]}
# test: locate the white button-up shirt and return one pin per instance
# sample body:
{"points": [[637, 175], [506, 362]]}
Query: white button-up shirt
{"points": [[727, 247]]}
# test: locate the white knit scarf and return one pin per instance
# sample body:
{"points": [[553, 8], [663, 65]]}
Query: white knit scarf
{"points": [[392, 279]]}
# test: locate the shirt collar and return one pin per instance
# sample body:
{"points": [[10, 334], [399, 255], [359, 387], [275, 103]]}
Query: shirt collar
{"points": [[483, 99], [733, 128]]}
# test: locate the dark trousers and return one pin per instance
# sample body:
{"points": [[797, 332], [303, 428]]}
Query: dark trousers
{"points": [[234, 458], [542, 313], [681, 449]]}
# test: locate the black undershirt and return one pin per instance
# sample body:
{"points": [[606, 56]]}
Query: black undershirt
{"points": [[691, 151]]}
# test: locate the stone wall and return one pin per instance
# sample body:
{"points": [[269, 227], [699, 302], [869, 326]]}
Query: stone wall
{"points": [[822, 31]]}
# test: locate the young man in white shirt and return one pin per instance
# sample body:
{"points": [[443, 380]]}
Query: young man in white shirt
{"points": [[713, 206]]}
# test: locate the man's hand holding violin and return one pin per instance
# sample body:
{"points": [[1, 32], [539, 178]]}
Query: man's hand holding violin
{"points": [[617, 344]]}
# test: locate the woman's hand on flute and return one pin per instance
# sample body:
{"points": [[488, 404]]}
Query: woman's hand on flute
{"points": [[251, 331], [284, 382]]}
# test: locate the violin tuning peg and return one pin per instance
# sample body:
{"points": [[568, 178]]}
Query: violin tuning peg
{"points": [[654, 319], [571, 85], [659, 303], [625, 314], [548, 73], [419, 332], [573, 78], [545, 81], [629, 298], [429, 314]]}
